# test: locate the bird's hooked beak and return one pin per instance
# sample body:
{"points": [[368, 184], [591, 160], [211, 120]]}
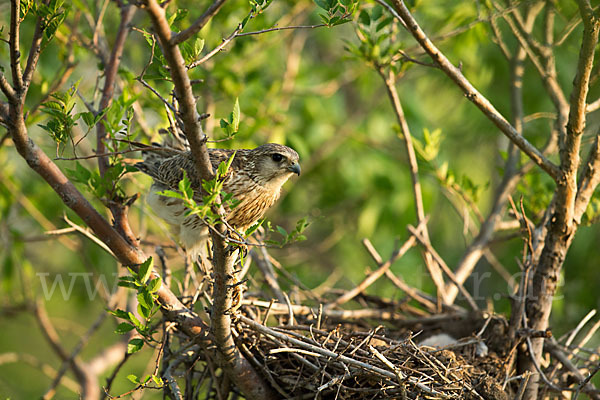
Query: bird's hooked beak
{"points": [[295, 168]]}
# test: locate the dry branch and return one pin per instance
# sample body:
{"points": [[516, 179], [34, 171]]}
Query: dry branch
{"points": [[471, 93]]}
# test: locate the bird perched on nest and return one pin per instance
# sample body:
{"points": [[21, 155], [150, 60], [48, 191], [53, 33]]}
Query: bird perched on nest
{"points": [[255, 178]]}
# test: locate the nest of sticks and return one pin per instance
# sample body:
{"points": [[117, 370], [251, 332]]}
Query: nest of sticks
{"points": [[346, 344], [321, 354]]}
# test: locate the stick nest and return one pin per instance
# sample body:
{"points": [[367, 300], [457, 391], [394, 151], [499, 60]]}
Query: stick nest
{"points": [[321, 356]]}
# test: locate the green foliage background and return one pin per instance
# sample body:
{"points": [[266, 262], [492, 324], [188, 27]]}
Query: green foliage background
{"points": [[302, 88]]}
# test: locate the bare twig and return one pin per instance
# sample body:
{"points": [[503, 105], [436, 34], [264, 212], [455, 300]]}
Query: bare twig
{"points": [[369, 280], [89, 385], [110, 75], [472, 93], [217, 49], [444, 267], [14, 46], [198, 24], [390, 85], [280, 28]]}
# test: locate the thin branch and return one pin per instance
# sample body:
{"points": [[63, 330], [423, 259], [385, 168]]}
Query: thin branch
{"points": [[183, 90], [593, 106], [198, 24], [261, 258], [89, 235], [512, 175], [34, 52], [444, 267], [47, 369], [282, 28], [217, 49], [141, 80], [588, 180], [88, 385], [472, 93], [110, 75], [369, 280], [7, 89], [390, 85], [14, 45], [413, 293], [238, 33], [543, 60]]}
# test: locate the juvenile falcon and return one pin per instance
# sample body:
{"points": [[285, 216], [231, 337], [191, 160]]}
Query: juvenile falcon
{"points": [[254, 179]]}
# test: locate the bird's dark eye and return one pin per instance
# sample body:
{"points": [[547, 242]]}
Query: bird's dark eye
{"points": [[277, 157]]}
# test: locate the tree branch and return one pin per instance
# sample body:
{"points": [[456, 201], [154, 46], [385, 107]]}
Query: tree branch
{"points": [[434, 269], [198, 24], [372, 277], [512, 175], [472, 93], [588, 181], [562, 225], [234, 364], [183, 91], [110, 75], [13, 39], [8, 91], [89, 385], [34, 53]]}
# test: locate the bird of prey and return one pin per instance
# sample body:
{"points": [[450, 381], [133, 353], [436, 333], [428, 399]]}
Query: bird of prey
{"points": [[255, 178]]}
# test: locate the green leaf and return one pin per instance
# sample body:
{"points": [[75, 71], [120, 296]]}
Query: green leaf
{"points": [[198, 46], [282, 231], [185, 186], [133, 379], [138, 325], [134, 346], [128, 282], [324, 19], [123, 328], [157, 380], [145, 270], [120, 314], [324, 4], [224, 167], [88, 118], [236, 115], [146, 302], [154, 285], [364, 18], [254, 227]]}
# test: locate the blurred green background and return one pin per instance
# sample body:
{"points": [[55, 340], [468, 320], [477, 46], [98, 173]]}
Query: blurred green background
{"points": [[302, 88]]}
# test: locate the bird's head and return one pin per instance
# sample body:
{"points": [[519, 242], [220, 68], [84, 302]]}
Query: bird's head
{"points": [[274, 164]]}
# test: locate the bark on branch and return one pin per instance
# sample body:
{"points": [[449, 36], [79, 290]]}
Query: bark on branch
{"points": [[235, 365]]}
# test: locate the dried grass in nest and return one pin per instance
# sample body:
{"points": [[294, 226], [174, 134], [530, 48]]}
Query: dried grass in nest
{"points": [[339, 362]]}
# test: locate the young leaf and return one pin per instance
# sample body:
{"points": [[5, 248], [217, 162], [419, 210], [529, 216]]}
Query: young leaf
{"points": [[282, 231], [123, 328], [235, 120], [120, 314], [134, 345], [154, 285], [145, 270]]}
